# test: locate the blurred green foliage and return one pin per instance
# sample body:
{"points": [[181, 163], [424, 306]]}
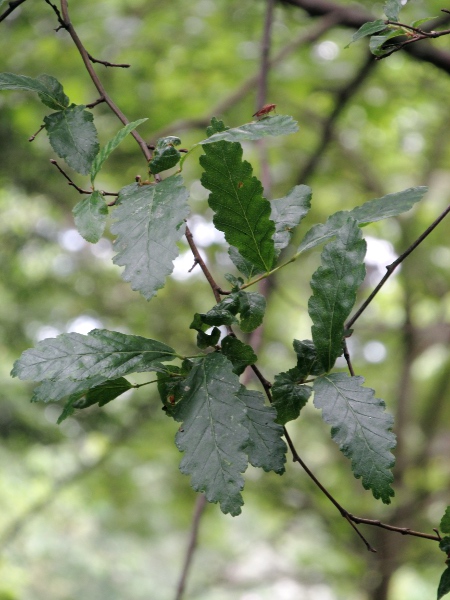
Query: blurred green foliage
{"points": [[96, 508]]}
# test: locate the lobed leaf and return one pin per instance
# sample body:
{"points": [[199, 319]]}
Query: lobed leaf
{"points": [[334, 286], [265, 448], [289, 396], [90, 216], [49, 90], [109, 354], [149, 221], [390, 205], [73, 137], [269, 126], [111, 146], [287, 213], [242, 213], [361, 428], [213, 435]]}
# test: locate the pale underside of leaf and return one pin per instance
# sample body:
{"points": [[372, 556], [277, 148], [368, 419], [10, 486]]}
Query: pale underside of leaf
{"points": [[287, 213], [90, 216], [268, 126]]}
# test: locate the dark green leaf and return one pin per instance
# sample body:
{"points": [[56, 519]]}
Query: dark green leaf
{"points": [[239, 354], [236, 197], [307, 360], [165, 155], [289, 397], [68, 409], [334, 286], [223, 313], [149, 221], [445, 521], [53, 390], [444, 584], [49, 90], [265, 447], [276, 125], [111, 146], [236, 282], [287, 213], [368, 29], [376, 44], [252, 307], [361, 428], [213, 435], [215, 127], [444, 544], [206, 340], [390, 205], [171, 386], [106, 353], [104, 393], [73, 137], [90, 216], [392, 8], [247, 268]]}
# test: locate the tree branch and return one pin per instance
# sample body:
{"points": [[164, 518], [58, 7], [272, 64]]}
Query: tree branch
{"points": [[12, 6]]}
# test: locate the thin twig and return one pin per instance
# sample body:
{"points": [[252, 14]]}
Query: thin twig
{"points": [[95, 103], [199, 260], [33, 137], [12, 6], [108, 64], [200, 506], [391, 268], [73, 184]]}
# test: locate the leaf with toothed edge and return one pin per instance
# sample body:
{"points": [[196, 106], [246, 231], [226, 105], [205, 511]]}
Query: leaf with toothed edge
{"points": [[90, 216]]}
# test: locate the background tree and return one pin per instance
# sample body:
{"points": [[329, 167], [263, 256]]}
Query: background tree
{"points": [[366, 129]]}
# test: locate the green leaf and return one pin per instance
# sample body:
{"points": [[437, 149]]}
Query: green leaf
{"points": [[236, 282], [206, 340], [68, 410], [165, 155], [444, 584], [445, 521], [90, 216], [244, 266], [101, 352], [276, 125], [289, 397], [111, 146], [334, 286], [392, 8], [252, 307], [390, 205], [265, 447], [307, 360], [149, 221], [104, 393], [215, 127], [73, 137], [287, 213], [213, 435], [368, 29], [239, 354], [444, 545], [171, 385], [49, 90], [421, 21], [52, 391], [376, 44], [236, 197], [361, 428]]}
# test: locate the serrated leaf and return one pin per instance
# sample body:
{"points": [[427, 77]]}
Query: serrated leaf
{"points": [[236, 282], [392, 9], [445, 521], [51, 390], [444, 584], [104, 393], [223, 313], [149, 221], [444, 544], [287, 213], [109, 354], [164, 158], [390, 205], [171, 386], [270, 126], [242, 213], [212, 435], [239, 354], [49, 90], [215, 127], [376, 44], [90, 216], [265, 447], [334, 286], [361, 428], [368, 29], [252, 307], [307, 360], [289, 397], [244, 266], [73, 137], [111, 146]]}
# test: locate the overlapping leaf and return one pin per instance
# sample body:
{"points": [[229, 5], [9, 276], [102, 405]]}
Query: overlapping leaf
{"points": [[289, 396], [49, 90], [361, 428], [213, 435], [109, 354], [239, 354], [111, 146], [334, 286], [265, 448], [445, 521], [51, 390], [149, 221], [287, 213], [390, 205], [90, 216], [236, 197], [250, 305], [269, 126], [368, 29], [392, 9], [73, 137]]}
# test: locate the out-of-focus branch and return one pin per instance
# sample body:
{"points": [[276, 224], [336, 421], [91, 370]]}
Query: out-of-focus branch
{"points": [[12, 6]]}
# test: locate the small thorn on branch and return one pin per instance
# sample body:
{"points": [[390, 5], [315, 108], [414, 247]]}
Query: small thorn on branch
{"points": [[194, 265], [105, 63], [96, 102], [33, 137]]}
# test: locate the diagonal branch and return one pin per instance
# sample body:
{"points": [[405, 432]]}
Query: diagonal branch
{"points": [[12, 6]]}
